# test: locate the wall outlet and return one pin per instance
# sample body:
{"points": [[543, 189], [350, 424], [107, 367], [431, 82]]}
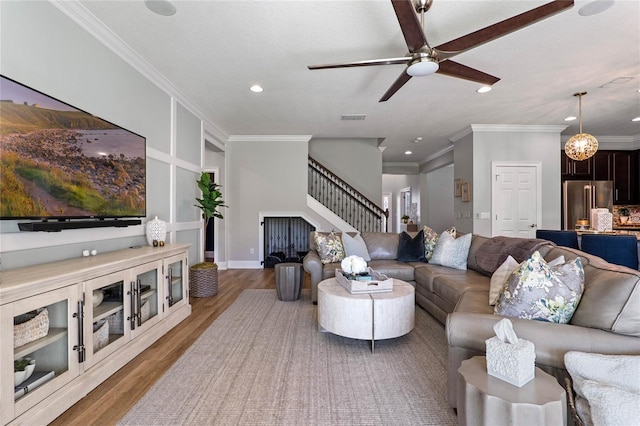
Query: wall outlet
{"points": [[251, 250]]}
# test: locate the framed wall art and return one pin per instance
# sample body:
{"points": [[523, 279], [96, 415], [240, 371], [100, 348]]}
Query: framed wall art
{"points": [[457, 187], [466, 191]]}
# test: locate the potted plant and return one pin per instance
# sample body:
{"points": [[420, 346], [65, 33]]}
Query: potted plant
{"points": [[203, 277], [405, 219], [623, 213]]}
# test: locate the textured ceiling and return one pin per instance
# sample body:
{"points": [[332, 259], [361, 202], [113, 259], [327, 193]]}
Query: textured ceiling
{"points": [[213, 51]]}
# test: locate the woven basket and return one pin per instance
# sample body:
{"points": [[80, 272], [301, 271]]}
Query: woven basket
{"points": [[34, 327], [203, 282]]}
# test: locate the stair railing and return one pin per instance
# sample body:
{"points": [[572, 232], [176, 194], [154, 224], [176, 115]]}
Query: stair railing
{"points": [[343, 199]]}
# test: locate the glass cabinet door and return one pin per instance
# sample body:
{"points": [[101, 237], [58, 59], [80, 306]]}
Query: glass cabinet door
{"points": [[42, 349], [106, 312], [146, 301], [176, 281]]}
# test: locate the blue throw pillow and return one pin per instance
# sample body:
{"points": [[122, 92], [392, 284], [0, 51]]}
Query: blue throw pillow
{"points": [[411, 249]]}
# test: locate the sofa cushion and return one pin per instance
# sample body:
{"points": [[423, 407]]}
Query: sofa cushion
{"points": [[355, 246], [451, 287], [329, 247], [611, 299], [382, 245], [538, 291], [426, 273], [452, 252], [393, 268], [411, 249]]}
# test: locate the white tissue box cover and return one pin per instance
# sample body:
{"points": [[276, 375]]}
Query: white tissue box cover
{"points": [[602, 221], [513, 363]]}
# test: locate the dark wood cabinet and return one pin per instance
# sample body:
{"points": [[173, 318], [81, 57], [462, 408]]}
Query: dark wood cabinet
{"points": [[625, 177], [575, 170], [603, 165]]}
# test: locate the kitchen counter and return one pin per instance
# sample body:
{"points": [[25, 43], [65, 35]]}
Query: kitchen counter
{"points": [[616, 231]]}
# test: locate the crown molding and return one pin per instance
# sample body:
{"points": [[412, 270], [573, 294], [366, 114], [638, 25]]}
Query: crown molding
{"points": [[269, 138], [520, 128], [79, 14], [436, 155]]}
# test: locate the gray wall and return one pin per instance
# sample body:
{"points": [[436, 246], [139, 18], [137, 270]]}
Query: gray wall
{"points": [[437, 201], [463, 169], [474, 153], [265, 175], [356, 161], [44, 49]]}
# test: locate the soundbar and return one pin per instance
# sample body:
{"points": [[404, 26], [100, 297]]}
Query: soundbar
{"points": [[76, 224]]}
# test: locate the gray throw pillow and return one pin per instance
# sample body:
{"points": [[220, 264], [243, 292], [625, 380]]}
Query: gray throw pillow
{"points": [[451, 252]]}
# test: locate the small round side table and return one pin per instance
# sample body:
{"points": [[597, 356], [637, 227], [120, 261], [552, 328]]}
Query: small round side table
{"points": [[487, 400]]}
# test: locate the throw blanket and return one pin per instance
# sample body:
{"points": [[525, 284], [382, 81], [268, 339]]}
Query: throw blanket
{"points": [[495, 251]]}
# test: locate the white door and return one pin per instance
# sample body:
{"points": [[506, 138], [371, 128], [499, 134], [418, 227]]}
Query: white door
{"points": [[516, 199]]}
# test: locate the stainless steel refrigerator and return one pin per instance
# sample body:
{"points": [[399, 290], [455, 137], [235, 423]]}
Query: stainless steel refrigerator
{"points": [[580, 196]]}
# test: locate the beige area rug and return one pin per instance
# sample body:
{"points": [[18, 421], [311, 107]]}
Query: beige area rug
{"points": [[263, 361]]}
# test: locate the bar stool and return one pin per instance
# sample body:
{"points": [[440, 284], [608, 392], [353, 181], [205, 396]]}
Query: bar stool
{"points": [[616, 249], [561, 238]]}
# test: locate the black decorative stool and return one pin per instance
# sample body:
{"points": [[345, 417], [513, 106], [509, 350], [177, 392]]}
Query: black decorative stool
{"points": [[288, 281]]}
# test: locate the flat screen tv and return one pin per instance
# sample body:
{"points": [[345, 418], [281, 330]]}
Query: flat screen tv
{"points": [[58, 162]]}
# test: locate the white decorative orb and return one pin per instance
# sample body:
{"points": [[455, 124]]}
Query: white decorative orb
{"points": [[156, 230]]}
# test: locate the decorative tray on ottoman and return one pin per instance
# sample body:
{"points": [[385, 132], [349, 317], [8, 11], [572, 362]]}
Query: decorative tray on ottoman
{"points": [[378, 283]]}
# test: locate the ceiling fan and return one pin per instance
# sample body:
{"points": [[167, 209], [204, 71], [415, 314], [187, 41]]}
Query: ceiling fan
{"points": [[423, 59]]}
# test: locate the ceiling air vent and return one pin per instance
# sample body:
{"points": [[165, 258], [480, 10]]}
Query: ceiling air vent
{"points": [[352, 117]]}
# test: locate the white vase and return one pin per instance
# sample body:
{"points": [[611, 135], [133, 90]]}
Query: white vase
{"points": [[156, 231]]}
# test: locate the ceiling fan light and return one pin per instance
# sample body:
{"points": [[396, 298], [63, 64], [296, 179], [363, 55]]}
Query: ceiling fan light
{"points": [[581, 146], [423, 66]]}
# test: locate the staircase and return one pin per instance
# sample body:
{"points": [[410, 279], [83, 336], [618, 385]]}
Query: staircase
{"points": [[344, 200]]}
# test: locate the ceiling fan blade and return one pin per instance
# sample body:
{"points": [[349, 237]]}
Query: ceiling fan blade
{"points": [[455, 69], [409, 23], [388, 61], [400, 81], [492, 32]]}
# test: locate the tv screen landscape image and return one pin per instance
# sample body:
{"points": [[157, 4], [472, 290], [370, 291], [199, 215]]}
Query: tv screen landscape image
{"points": [[58, 162]]}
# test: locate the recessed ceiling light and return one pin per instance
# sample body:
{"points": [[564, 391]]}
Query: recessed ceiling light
{"points": [[484, 89], [570, 118], [408, 152], [636, 119], [161, 7], [595, 7], [418, 139], [256, 88]]}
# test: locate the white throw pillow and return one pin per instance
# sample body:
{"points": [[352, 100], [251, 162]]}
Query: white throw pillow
{"points": [[611, 406], [451, 252], [605, 382], [499, 277], [355, 246]]}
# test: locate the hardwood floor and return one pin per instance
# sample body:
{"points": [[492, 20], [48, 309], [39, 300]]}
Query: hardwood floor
{"points": [[106, 404]]}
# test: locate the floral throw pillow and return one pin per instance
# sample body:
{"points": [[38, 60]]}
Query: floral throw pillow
{"points": [[431, 239], [329, 247], [541, 292]]}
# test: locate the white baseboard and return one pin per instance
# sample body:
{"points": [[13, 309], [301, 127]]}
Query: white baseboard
{"points": [[244, 264]]}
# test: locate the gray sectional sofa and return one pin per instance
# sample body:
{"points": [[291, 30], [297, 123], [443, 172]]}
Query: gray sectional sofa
{"points": [[606, 321]]}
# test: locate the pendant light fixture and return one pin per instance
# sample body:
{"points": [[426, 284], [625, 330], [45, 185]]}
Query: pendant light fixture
{"points": [[583, 145]]}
